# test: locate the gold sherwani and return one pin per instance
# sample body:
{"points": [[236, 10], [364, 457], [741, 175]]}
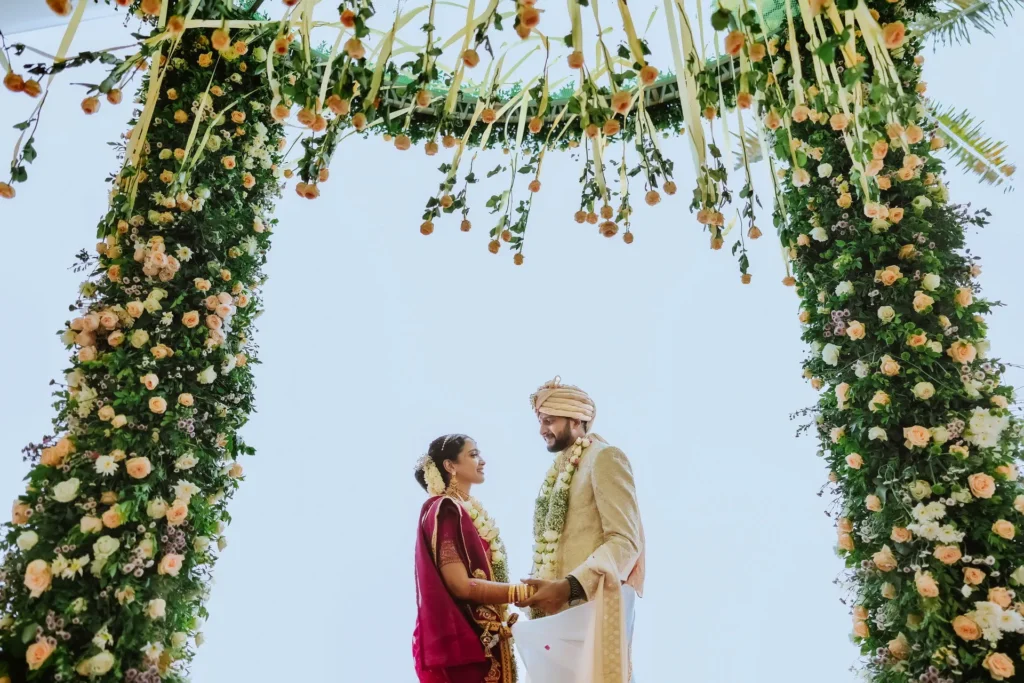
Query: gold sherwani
{"points": [[603, 516]]}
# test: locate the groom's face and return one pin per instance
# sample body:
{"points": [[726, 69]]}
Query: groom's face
{"points": [[556, 432]]}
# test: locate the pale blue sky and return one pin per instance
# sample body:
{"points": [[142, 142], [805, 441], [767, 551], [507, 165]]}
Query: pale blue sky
{"points": [[376, 340]]}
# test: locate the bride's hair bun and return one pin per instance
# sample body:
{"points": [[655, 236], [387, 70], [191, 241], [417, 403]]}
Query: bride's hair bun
{"points": [[442, 448]]}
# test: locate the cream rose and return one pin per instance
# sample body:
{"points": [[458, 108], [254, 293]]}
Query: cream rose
{"points": [[924, 390], [139, 338], [90, 525], [886, 314], [920, 489], [931, 282], [156, 608], [66, 491], [156, 508]]}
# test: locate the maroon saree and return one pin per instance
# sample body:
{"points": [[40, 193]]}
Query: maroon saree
{"points": [[455, 642]]}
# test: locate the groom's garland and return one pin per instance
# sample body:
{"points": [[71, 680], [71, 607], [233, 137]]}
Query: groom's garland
{"points": [[550, 510]]}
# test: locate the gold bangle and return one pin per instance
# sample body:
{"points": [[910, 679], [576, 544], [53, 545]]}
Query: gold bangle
{"points": [[511, 589]]}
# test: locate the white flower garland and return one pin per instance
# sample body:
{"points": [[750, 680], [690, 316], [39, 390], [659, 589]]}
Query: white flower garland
{"points": [[432, 476], [550, 510], [488, 530]]}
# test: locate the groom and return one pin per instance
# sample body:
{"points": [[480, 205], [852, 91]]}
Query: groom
{"points": [[590, 541]]}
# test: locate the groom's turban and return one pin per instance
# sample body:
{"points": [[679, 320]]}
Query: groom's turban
{"points": [[561, 400]]}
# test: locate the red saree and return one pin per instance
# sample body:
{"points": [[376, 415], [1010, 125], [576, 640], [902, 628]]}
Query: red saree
{"points": [[455, 642]]}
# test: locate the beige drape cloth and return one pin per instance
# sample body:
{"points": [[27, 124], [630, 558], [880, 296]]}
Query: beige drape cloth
{"points": [[605, 650]]}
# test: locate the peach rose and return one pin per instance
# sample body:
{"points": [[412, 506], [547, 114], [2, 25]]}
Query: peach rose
{"points": [[889, 366], [963, 297], [901, 535], [800, 113], [973, 576], [856, 330], [158, 405], [895, 214], [914, 134], [186, 400], [966, 628], [888, 591], [962, 352], [899, 647], [846, 542], [170, 564], [1000, 596], [845, 525], [112, 518], [922, 301], [855, 461], [108, 320], [839, 122], [889, 276], [87, 354], [884, 559], [916, 436], [139, 467], [757, 52], [1003, 529], [214, 322], [105, 414], [150, 381], [845, 200], [982, 485], [161, 351], [115, 338], [37, 577], [734, 43], [894, 34], [873, 503], [177, 513], [1008, 472], [948, 554], [926, 585], [90, 525], [917, 340], [236, 471], [999, 666], [190, 319], [38, 652], [860, 630], [119, 421]]}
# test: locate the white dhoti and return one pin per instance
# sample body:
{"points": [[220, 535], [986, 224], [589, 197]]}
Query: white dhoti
{"points": [[561, 648]]}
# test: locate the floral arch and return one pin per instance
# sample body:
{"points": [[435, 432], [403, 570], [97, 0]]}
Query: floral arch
{"points": [[110, 547]]}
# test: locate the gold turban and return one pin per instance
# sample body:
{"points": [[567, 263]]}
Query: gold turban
{"points": [[562, 400]]}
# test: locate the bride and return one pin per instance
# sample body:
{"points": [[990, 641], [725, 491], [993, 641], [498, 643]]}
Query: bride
{"points": [[462, 630]]}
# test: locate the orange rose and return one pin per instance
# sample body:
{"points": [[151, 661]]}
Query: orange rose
{"points": [[962, 352], [228, 162], [914, 134], [138, 468], [884, 559], [38, 652], [177, 513], [845, 200], [982, 485], [1003, 529], [926, 585], [895, 214], [757, 52], [170, 564], [161, 351], [917, 340], [901, 535], [37, 577], [966, 628], [948, 554], [999, 666], [916, 436], [1000, 596], [889, 276], [922, 302], [973, 576], [894, 34], [734, 43], [839, 122]]}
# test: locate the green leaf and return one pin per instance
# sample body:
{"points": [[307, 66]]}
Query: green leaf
{"points": [[720, 20]]}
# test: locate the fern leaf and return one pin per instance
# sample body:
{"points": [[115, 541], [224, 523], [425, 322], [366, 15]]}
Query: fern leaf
{"points": [[970, 147], [955, 19]]}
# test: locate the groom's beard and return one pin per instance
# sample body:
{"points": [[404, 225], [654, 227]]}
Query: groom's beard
{"points": [[562, 442]]}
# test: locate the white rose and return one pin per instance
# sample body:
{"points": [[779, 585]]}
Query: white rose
{"points": [[877, 434], [66, 491], [91, 525], [207, 376], [940, 434], [962, 496], [1018, 576], [27, 540], [147, 548], [105, 546], [830, 354], [222, 543], [101, 663], [931, 282], [935, 346], [844, 287], [924, 390], [824, 170], [229, 364], [200, 639], [156, 508], [861, 369], [156, 609], [819, 235], [178, 639], [201, 543], [497, 557], [886, 314]]}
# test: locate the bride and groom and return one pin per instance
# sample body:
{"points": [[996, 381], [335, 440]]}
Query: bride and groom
{"points": [[588, 566]]}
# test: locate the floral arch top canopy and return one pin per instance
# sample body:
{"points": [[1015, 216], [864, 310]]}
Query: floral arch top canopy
{"points": [[108, 552]]}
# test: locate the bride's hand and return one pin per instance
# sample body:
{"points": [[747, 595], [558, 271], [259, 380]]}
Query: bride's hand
{"points": [[549, 596]]}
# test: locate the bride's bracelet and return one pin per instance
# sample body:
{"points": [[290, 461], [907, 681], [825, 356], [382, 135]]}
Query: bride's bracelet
{"points": [[517, 592]]}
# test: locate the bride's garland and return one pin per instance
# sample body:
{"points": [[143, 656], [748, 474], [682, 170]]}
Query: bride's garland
{"points": [[551, 508]]}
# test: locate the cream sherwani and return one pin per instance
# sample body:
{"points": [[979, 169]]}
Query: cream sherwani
{"points": [[602, 545]]}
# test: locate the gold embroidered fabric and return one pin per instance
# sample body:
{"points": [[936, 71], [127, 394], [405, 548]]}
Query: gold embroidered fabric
{"points": [[448, 554]]}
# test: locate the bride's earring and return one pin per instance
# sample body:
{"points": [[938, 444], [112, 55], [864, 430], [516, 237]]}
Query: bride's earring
{"points": [[453, 486]]}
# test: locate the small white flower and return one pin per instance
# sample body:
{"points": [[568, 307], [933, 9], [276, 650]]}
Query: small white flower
{"points": [[184, 254], [106, 465]]}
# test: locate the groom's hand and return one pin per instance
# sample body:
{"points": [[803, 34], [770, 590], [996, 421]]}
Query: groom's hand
{"points": [[549, 596]]}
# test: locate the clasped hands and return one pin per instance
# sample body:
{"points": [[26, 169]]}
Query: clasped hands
{"points": [[546, 596]]}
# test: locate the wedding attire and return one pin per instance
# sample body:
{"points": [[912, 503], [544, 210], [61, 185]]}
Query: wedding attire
{"points": [[600, 546], [456, 641]]}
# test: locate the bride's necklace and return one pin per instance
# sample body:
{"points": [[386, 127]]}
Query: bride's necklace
{"points": [[488, 530], [551, 508]]}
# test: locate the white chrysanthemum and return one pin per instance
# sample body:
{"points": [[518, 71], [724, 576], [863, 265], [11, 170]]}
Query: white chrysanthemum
{"points": [[106, 465], [984, 428], [948, 534], [152, 650]]}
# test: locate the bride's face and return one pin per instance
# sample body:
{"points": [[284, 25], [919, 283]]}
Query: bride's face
{"points": [[469, 466]]}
